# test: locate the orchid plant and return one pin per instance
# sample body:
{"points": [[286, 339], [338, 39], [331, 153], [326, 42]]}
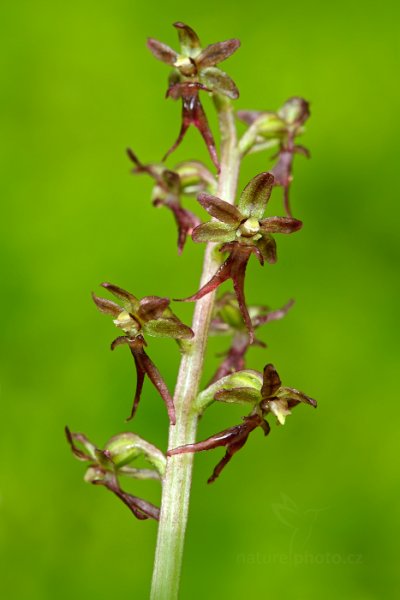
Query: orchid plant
{"points": [[235, 232]]}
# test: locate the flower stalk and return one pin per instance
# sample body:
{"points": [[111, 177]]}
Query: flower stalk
{"points": [[178, 475]]}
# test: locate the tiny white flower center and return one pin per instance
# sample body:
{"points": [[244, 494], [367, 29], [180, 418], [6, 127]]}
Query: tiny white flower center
{"points": [[249, 228], [125, 322], [185, 65]]}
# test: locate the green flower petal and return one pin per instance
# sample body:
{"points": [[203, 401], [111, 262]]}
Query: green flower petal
{"points": [[294, 397], [214, 232], [172, 328], [216, 53], [221, 210], [107, 307], [162, 51], [219, 82], [267, 247], [124, 448], [243, 395], [189, 40], [280, 225], [254, 198]]}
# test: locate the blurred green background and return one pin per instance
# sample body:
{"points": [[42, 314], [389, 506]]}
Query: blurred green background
{"points": [[311, 511]]}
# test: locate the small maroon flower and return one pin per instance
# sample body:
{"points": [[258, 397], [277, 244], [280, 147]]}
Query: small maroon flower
{"points": [[167, 192], [243, 232], [149, 316], [194, 70], [271, 398], [114, 460], [283, 126], [227, 320]]}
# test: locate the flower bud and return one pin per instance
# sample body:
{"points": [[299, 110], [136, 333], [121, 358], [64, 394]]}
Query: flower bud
{"points": [[295, 111], [124, 448], [224, 390]]}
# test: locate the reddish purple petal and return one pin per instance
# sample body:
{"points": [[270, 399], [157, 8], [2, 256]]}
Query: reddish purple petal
{"points": [[130, 301], [186, 222], [271, 382], [273, 315], [280, 225], [162, 51], [216, 53], [152, 307], [107, 307], [221, 210], [294, 397]]}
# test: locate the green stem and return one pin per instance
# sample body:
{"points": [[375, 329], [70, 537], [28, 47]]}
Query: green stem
{"points": [[178, 475]]}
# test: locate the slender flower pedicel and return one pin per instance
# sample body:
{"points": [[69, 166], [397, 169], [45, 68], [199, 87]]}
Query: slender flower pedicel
{"points": [[237, 230]]}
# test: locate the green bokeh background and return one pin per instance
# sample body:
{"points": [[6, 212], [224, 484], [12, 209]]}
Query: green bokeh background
{"points": [[308, 513]]}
